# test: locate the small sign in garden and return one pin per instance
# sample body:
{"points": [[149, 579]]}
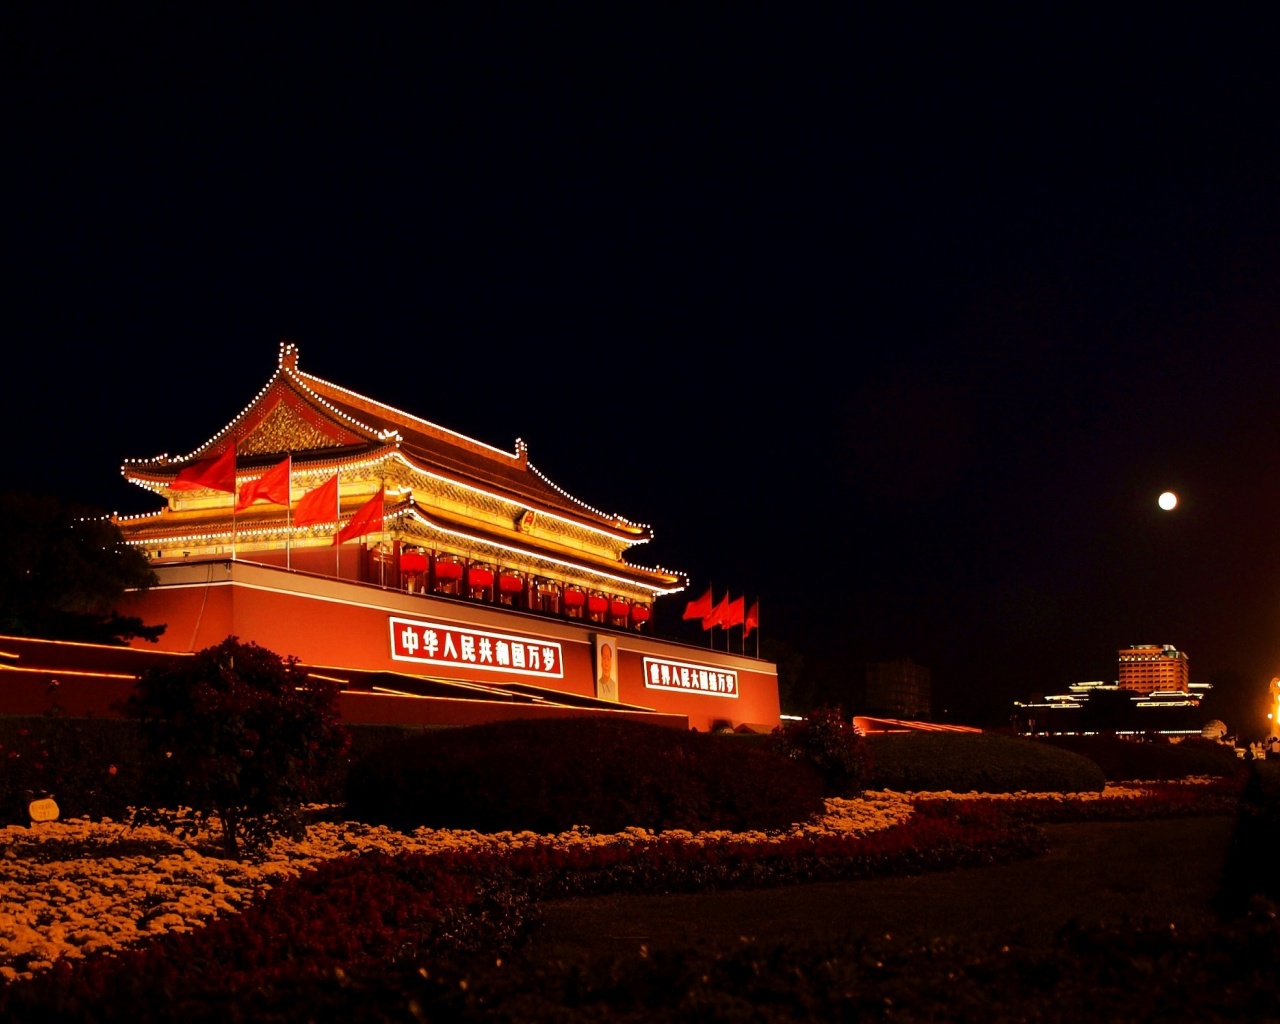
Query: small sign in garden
{"points": [[43, 810]]}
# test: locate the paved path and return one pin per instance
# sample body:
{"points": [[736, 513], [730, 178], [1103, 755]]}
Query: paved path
{"points": [[1164, 870]]}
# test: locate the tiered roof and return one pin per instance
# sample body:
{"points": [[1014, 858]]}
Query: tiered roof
{"points": [[442, 488]]}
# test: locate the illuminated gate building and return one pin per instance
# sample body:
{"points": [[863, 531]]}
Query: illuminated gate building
{"points": [[469, 587]]}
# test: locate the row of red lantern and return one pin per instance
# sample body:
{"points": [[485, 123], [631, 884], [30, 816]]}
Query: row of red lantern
{"points": [[480, 577]]}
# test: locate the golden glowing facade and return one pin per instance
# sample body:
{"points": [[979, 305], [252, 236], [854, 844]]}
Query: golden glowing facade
{"points": [[482, 592], [461, 518]]}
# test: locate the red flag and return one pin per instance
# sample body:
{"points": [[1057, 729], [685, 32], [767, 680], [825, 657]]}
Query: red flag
{"points": [[319, 505], [699, 608], [752, 620], [216, 474], [716, 618], [733, 614], [367, 520], [272, 486]]}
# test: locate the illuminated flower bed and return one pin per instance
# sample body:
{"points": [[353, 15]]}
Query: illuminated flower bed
{"points": [[470, 890], [87, 897], [1117, 802], [72, 888]]}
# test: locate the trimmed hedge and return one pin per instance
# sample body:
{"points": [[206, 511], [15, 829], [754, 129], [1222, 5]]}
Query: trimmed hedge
{"points": [[1128, 760], [983, 762], [551, 776], [72, 759]]}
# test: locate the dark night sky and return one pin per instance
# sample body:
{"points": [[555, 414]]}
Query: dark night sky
{"points": [[898, 321]]}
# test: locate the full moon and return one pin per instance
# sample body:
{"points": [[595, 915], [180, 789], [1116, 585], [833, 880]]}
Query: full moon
{"points": [[1168, 500]]}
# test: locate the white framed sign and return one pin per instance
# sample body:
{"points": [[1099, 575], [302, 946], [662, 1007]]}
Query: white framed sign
{"points": [[688, 677], [455, 646]]}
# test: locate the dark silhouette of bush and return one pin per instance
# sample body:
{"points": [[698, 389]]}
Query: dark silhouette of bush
{"points": [[90, 767], [239, 734], [965, 762], [553, 775], [63, 569], [1249, 872], [1129, 760], [827, 741]]}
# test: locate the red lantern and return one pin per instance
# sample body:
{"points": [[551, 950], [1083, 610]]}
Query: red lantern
{"points": [[413, 561], [448, 570]]}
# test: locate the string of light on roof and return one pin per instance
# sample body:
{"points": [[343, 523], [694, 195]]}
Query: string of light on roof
{"points": [[381, 435], [142, 515], [286, 349], [578, 501], [239, 416], [505, 499], [312, 472], [525, 552], [406, 415]]}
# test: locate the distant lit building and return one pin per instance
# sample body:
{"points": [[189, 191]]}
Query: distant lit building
{"points": [[1155, 679], [899, 687], [1151, 668]]}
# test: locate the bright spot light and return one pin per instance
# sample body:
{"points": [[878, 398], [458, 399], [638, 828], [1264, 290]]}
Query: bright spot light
{"points": [[1168, 500]]}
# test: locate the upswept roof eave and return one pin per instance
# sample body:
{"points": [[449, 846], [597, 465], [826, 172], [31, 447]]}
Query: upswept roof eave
{"points": [[391, 413], [517, 459], [156, 474], [285, 374], [672, 582], [623, 522], [631, 533], [158, 480]]}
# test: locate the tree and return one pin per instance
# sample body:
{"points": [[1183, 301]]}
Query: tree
{"points": [[796, 691], [63, 570], [240, 734], [827, 741]]}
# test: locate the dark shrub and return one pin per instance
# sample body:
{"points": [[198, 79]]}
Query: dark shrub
{"points": [[240, 734], [827, 742], [1127, 760], [548, 776], [89, 766], [987, 763], [1250, 870]]}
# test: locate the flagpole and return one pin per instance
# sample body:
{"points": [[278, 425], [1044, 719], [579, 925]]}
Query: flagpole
{"points": [[235, 497], [288, 519], [337, 528]]}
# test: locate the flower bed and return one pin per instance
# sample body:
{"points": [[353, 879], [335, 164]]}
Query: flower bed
{"points": [[351, 896], [1134, 801], [378, 908]]}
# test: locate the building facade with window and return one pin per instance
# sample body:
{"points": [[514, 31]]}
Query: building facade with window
{"points": [[899, 687], [1148, 668]]}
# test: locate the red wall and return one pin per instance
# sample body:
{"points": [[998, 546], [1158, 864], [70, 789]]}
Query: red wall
{"points": [[325, 622]]}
